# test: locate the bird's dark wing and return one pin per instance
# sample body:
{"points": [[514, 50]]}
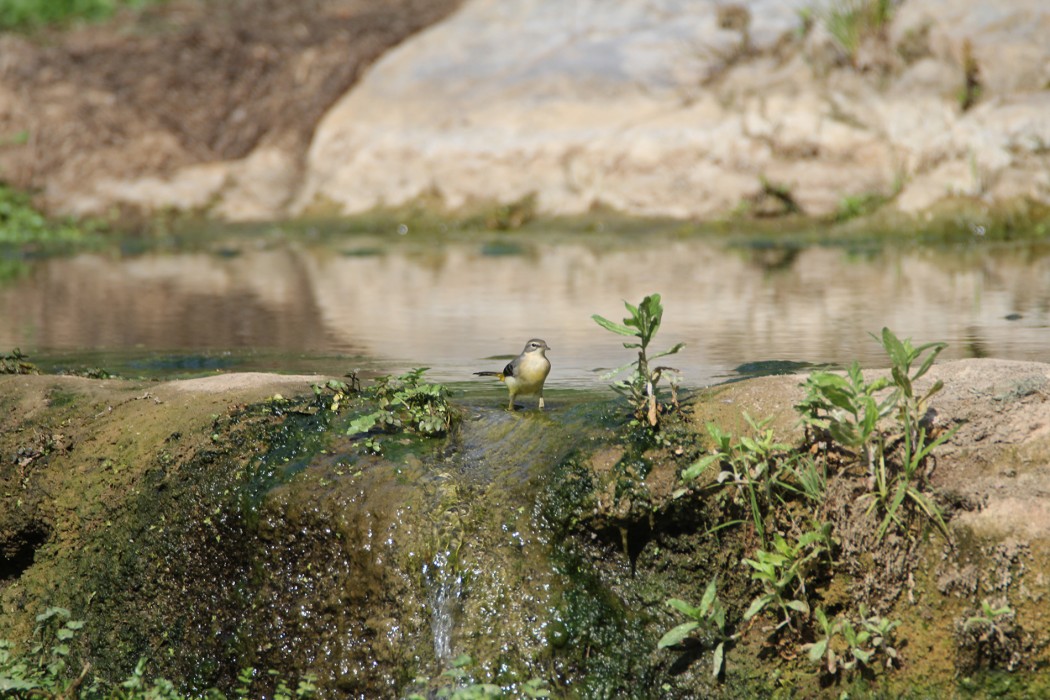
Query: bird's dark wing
{"points": [[508, 371]]}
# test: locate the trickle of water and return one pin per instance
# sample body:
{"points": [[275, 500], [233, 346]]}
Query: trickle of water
{"points": [[446, 587]]}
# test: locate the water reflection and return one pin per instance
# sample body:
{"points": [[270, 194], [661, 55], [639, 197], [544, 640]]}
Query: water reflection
{"points": [[451, 305]]}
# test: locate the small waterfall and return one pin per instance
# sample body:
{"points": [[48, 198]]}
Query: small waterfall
{"points": [[446, 586]]}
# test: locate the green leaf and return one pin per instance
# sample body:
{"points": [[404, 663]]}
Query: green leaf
{"points": [[612, 326], [894, 348], [363, 424], [935, 350], [718, 614], [613, 372], [685, 608], [717, 659], [937, 386], [756, 606], [51, 612], [709, 596], [671, 351], [699, 467], [677, 634], [816, 650]]}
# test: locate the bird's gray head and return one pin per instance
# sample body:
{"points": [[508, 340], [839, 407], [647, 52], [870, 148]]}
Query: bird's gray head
{"points": [[536, 344]]}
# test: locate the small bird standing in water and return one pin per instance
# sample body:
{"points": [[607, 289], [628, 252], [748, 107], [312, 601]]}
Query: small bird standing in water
{"points": [[526, 373]]}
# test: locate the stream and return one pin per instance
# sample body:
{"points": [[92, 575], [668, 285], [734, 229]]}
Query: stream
{"points": [[384, 301]]}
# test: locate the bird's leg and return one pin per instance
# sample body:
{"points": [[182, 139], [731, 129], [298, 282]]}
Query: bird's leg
{"points": [[541, 400]]}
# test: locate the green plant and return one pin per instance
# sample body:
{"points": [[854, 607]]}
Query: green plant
{"points": [[20, 223], [849, 411], [709, 618], [854, 206], [750, 464], [872, 636], [893, 487], [783, 573], [989, 620], [41, 672], [641, 384], [806, 477], [822, 649], [911, 406], [850, 22], [335, 393], [970, 92], [17, 363], [406, 403], [27, 14]]}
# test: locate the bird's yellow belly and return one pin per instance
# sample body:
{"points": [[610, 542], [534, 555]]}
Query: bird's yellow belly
{"points": [[529, 377], [521, 385]]}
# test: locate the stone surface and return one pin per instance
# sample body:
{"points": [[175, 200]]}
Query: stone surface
{"points": [[660, 110], [656, 107]]}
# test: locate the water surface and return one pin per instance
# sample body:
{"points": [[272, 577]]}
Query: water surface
{"points": [[387, 301]]}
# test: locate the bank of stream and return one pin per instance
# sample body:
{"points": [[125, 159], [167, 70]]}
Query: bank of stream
{"points": [[214, 524]]}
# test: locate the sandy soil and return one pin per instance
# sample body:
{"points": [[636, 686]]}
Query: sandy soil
{"points": [[186, 82]]}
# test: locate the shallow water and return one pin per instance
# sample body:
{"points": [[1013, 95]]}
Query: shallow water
{"points": [[386, 302]]}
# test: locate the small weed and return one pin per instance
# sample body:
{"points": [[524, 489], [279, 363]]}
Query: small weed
{"points": [[846, 409], [29, 14], [894, 488], [783, 572], [988, 621], [641, 385], [849, 411], [17, 363], [855, 206], [43, 671], [709, 619], [512, 216], [406, 403], [335, 393], [859, 644], [989, 638], [20, 223], [851, 22], [751, 464]]}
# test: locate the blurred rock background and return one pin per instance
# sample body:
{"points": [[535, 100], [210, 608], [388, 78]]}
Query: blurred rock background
{"points": [[258, 109]]}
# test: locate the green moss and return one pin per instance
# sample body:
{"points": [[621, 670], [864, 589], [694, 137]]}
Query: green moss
{"points": [[30, 14], [20, 223]]}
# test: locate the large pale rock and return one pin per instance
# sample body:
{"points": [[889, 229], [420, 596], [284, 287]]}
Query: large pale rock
{"points": [[684, 109], [658, 107]]}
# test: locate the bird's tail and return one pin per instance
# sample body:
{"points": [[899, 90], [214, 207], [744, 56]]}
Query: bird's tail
{"points": [[490, 374]]}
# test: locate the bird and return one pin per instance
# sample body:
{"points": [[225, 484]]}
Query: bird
{"points": [[526, 373]]}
